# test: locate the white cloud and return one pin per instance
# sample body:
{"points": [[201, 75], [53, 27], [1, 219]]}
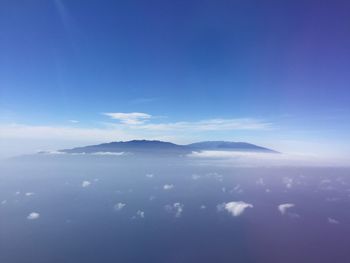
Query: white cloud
{"points": [[29, 194], [176, 209], [140, 213], [234, 208], [332, 221], [284, 207], [85, 184], [33, 216], [168, 186], [119, 206], [207, 125], [133, 118], [4, 202], [109, 153], [73, 121], [52, 152], [149, 175], [252, 159]]}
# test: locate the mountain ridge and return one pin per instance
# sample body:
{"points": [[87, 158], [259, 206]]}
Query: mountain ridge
{"points": [[157, 146]]}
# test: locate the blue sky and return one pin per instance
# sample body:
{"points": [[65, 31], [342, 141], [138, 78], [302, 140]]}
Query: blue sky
{"points": [[273, 73]]}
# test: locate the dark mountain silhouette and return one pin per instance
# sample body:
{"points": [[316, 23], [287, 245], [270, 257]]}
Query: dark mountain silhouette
{"points": [[146, 146], [233, 146], [142, 146]]}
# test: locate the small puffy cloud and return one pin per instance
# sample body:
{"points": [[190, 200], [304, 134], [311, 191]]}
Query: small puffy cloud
{"points": [[140, 213], [132, 118], [85, 184], [29, 194], [332, 221], [4, 202], [284, 207], [176, 209], [168, 186], [149, 175], [119, 206], [33, 216], [234, 208], [202, 207], [179, 208]]}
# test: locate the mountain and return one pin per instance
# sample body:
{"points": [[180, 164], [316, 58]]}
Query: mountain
{"points": [[139, 146], [229, 146], [146, 146]]}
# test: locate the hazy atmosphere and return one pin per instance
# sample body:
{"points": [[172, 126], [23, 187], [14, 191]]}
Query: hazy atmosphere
{"points": [[174, 131]]}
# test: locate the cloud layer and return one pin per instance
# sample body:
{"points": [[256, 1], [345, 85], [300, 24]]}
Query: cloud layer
{"points": [[123, 126]]}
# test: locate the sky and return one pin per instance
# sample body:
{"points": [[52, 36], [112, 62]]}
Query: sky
{"points": [[274, 73]]}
